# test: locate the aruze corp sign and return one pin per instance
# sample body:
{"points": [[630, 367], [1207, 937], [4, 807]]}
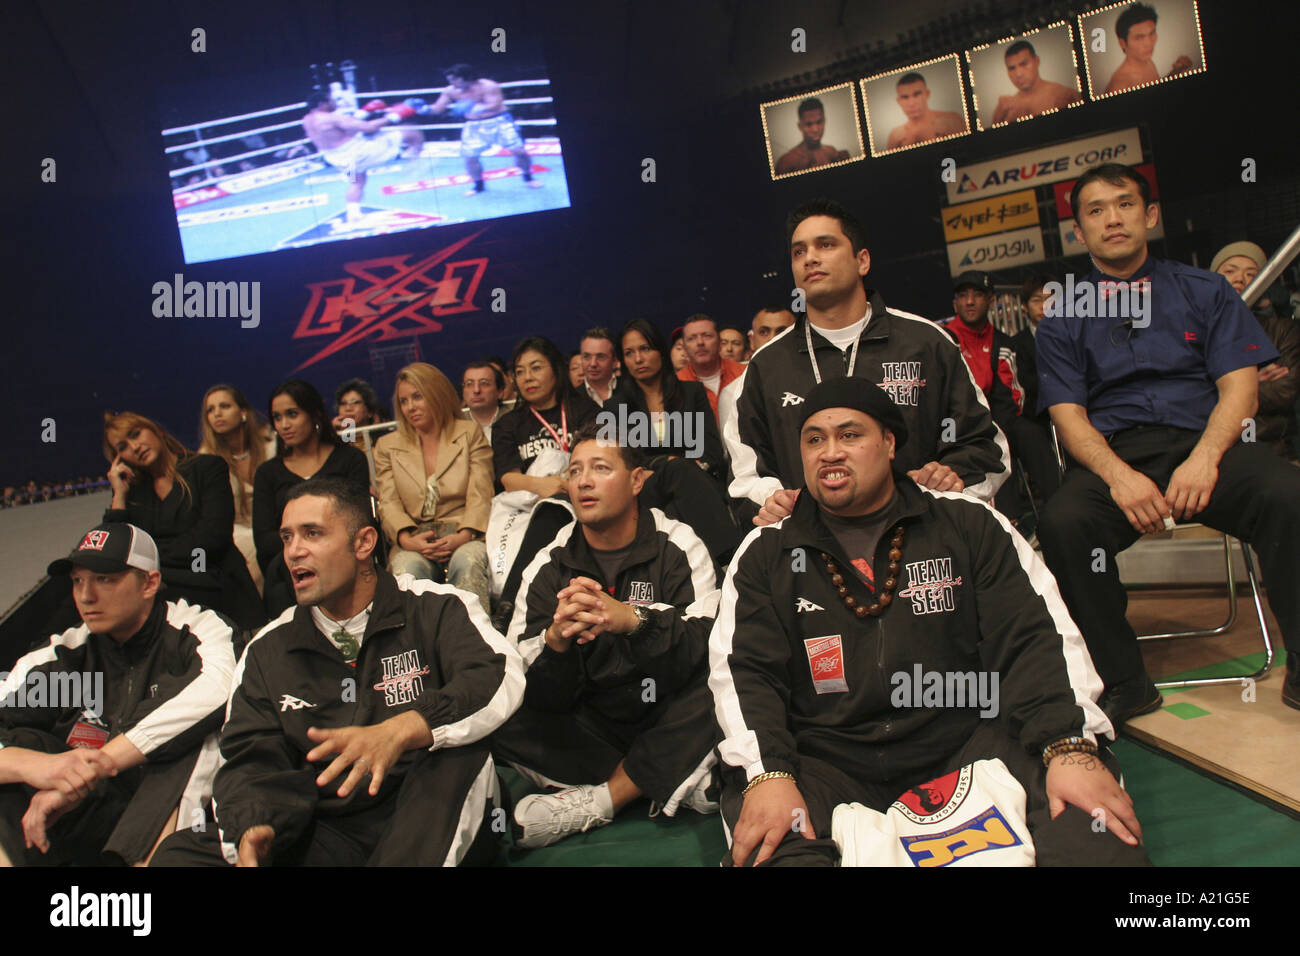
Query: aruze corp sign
{"points": [[1048, 164]]}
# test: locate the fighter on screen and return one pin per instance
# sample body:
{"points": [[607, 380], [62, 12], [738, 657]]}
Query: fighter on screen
{"points": [[1136, 29], [923, 124], [488, 123], [342, 140], [1033, 94], [811, 151]]}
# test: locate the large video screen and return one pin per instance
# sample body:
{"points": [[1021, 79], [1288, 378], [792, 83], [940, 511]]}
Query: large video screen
{"points": [[335, 151]]}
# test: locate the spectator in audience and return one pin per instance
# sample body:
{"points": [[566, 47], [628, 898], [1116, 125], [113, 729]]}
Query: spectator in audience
{"points": [[306, 447], [575, 370], [434, 477], [1034, 297], [677, 350], [955, 444], [707, 366], [96, 772], [356, 400], [811, 718], [482, 386], [431, 681], [991, 358], [685, 455], [1239, 263], [233, 429], [11, 496], [600, 366], [767, 324], [731, 344], [183, 501], [1152, 415], [621, 600], [549, 413]]}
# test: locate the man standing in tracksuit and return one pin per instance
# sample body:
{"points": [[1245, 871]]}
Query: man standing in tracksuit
{"points": [[108, 731], [370, 676], [613, 623], [832, 618], [848, 331]]}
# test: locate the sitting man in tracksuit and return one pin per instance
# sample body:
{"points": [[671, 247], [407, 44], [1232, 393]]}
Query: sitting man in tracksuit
{"points": [[370, 676], [614, 626], [870, 585], [108, 731]]}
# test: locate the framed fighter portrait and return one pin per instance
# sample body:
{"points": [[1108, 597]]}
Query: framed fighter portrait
{"points": [[915, 105], [1130, 46], [1024, 76], [812, 131]]}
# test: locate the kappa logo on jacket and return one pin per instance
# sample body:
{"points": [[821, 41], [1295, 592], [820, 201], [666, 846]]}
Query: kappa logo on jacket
{"points": [[902, 381], [402, 673], [790, 398], [289, 702], [930, 586], [803, 604]]}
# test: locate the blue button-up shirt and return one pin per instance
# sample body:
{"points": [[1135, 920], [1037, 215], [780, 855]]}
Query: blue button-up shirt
{"points": [[1164, 374]]}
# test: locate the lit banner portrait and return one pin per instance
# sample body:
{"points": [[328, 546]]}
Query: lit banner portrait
{"points": [[915, 105], [1130, 46], [812, 131], [1024, 76]]}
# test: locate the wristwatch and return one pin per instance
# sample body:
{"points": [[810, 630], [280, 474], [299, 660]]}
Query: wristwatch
{"points": [[642, 619]]}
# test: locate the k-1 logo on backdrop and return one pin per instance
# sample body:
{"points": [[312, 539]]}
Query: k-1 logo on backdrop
{"points": [[391, 297]]}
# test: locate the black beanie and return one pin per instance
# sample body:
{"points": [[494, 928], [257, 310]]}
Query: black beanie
{"points": [[858, 394]]}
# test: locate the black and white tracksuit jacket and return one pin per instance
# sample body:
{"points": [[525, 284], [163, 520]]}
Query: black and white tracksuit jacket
{"points": [[428, 647], [668, 572], [916, 363], [971, 596], [165, 689]]}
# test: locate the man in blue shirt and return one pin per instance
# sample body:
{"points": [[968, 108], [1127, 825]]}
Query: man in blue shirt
{"points": [[1149, 370]]}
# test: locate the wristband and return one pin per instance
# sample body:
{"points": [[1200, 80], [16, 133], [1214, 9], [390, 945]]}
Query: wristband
{"points": [[1067, 745]]}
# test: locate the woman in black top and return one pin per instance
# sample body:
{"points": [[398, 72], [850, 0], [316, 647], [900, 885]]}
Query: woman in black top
{"points": [[184, 501], [689, 489], [306, 447], [547, 415]]}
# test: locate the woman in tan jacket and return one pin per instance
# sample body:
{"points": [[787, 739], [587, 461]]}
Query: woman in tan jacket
{"points": [[434, 477]]}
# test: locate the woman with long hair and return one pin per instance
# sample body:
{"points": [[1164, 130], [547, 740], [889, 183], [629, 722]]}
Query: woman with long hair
{"points": [[548, 413], [233, 429], [687, 481], [184, 501], [306, 447], [434, 478]]}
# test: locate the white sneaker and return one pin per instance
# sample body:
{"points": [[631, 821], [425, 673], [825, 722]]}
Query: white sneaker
{"points": [[550, 817], [697, 798]]}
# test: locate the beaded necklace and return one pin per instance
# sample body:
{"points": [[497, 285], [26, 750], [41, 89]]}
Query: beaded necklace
{"points": [[887, 589]]}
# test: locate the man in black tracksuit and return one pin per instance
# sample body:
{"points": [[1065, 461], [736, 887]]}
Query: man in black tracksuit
{"points": [[396, 679], [613, 623], [955, 444], [816, 626], [108, 731]]}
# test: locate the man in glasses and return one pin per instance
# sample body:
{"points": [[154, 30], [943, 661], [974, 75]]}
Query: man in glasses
{"points": [[1150, 371]]}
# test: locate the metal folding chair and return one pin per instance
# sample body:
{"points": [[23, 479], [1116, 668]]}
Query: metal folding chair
{"points": [[1252, 576]]}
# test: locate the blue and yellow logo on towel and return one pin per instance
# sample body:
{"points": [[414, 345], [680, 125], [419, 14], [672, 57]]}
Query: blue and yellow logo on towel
{"points": [[988, 831]]}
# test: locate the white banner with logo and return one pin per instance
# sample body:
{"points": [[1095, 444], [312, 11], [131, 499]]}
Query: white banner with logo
{"points": [[1001, 251], [1048, 164]]}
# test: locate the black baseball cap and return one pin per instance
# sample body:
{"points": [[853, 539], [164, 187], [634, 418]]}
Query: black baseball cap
{"points": [[973, 279], [860, 395], [110, 548]]}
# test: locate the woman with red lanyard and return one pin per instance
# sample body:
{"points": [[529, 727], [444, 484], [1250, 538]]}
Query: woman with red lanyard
{"points": [[548, 414]]}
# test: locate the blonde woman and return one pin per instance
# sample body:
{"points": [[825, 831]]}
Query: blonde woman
{"points": [[184, 501], [434, 478], [232, 429]]}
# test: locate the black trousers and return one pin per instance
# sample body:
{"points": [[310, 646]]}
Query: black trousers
{"points": [[582, 746], [1069, 840], [1256, 499], [419, 824]]}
